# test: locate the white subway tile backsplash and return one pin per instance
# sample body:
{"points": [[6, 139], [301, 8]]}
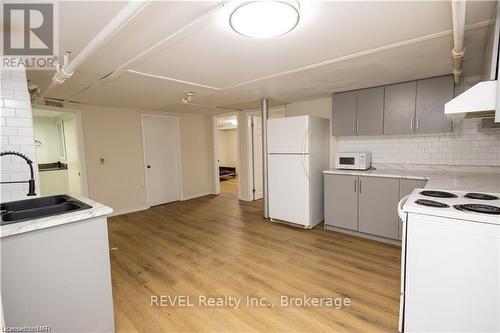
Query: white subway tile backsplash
{"points": [[23, 113], [16, 103], [466, 145], [24, 131], [19, 122], [21, 140], [16, 134], [7, 93], [6, 131], [18, 94], [7, 112], [14, 85]]}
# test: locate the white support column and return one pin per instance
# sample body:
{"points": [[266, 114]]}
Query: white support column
{"points": [[265, 116]]}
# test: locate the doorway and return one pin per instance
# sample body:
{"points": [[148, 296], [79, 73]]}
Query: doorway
{"points": [[162, 161], [59, 149], [226, 155]]}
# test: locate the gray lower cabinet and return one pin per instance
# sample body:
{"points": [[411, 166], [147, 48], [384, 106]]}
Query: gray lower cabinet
{"points": [[406, 186], [432, 95], [378, 201], [366, 205], [341, 201], [344, 113], [399, 111], [370, 111]]}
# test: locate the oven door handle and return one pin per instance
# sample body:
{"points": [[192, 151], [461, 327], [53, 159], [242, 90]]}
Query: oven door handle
{"points": [[400, 207]]}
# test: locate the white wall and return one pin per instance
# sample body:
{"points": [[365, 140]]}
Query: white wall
{"points": [[45, 131], [227, 145], [467, 145], [16, 133], [115, 135]]}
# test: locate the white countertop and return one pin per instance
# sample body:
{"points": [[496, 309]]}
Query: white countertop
{"points": [[438, 180], [52, 221]]}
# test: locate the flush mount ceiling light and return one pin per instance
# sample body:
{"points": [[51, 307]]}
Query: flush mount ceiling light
{"points": [[265, 19]]}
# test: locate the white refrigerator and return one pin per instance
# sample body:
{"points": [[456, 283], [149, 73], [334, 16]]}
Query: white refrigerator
{"points": [[298, 152]]}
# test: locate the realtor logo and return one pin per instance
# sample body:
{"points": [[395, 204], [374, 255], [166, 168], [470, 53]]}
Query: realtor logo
{"points": [[28, 29], [29, 35]]}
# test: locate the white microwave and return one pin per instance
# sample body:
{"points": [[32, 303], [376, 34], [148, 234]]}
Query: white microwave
{"points": [[355, 160]]}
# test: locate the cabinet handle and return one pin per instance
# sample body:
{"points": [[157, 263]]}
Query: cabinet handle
{"points": [[418, 122], [360, 186], [357, 127], [354, 126], [411, 122], [355, 184]]}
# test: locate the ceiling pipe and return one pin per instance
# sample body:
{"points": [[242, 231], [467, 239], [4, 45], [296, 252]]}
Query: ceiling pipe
{"points": [[458, 51], [131, 9]]}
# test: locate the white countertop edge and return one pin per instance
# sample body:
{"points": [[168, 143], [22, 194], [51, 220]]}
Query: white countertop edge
{"points": [[370, 173], [437, 180], [97, 210]]}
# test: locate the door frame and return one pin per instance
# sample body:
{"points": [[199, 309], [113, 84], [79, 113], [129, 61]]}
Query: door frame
{"points": [[80, 140], [179, 161], [250, 159], [215, 150]]}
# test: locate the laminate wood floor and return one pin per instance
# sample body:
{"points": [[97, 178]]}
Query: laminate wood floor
{"points": [[217, 245]]}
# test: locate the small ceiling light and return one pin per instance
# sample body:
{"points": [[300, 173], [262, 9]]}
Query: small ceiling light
{"points": [[188, 97], [265, 18]]}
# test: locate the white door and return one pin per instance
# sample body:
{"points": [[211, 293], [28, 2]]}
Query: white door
{"points": [[258, 180], [288, 135], [289, 188], [161, 157]]}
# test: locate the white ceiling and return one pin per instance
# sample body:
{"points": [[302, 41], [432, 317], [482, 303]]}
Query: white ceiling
{"points": [[336, 46]]}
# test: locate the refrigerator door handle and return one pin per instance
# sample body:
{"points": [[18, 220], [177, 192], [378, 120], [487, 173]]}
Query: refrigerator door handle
{"points": [[305, 142]]}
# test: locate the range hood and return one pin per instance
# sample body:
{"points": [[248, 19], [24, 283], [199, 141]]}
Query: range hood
{"points": [[482, 99], [479, 101]]}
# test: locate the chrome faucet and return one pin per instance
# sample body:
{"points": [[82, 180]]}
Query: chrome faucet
{"points": [[31, 182]]}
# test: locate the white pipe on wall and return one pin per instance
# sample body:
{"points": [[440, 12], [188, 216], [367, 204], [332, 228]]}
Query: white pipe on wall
{"points": [[458, 51], [131, 9], [264, 109]]}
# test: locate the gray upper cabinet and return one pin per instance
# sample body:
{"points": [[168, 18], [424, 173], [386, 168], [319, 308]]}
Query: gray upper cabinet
{"points": [[432, 94], [402, 108], [399, 113], [341, 201], [378, 200], [370, 111], [344, 114]]}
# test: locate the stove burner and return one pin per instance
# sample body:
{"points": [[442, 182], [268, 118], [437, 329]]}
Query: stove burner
{"points": [[438, 194], [481, 196], [478, 208], [431, 203]]}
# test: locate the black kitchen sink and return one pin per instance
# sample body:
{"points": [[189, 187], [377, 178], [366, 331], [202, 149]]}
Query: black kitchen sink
{"points": [[23, 210]]}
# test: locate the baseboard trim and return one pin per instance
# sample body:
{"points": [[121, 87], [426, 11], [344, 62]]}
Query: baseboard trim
{"points": [[128, 210], [363, 235], [193, 196]]}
